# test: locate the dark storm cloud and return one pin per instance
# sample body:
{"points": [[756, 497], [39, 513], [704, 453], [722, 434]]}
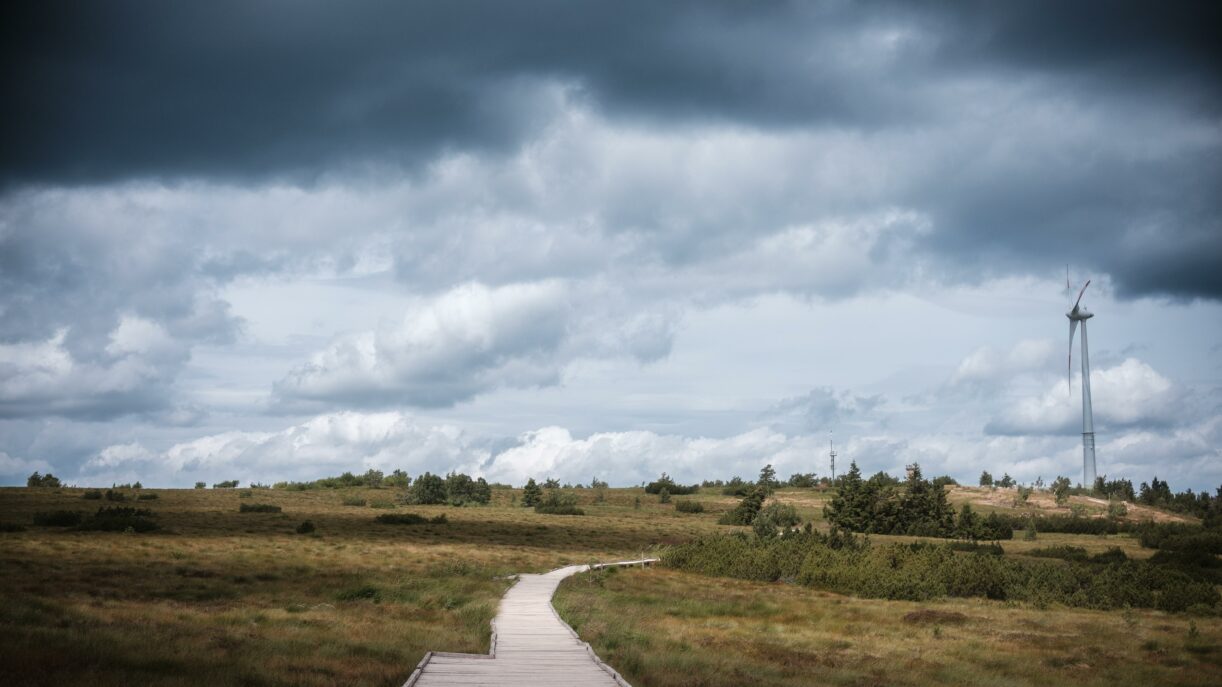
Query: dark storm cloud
{"points": [[149, 88], [240, 91]]}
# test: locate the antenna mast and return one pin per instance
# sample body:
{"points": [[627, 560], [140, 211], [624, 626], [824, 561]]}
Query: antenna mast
{"points": [[831, 451]]}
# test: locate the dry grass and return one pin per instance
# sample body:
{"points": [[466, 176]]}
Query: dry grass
{"points": [[987, 499], [219, 597], [663, 627]]}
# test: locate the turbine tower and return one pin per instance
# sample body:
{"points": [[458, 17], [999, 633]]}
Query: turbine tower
{"points": [[1076, 315]]}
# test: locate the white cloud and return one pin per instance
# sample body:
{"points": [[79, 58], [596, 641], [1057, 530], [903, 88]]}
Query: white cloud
{"points": [[15, 470], [988, 366], [324, 445], [472, 339], [131, 374], [1130, 394]]}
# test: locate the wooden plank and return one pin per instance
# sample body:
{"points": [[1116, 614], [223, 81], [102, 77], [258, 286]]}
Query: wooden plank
{"points": [[531, 645]]}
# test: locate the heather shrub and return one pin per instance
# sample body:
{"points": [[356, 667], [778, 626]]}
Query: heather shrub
{"points": [[746, 510], [410, 519], [258, 508], [665, 482], [689, 506], [923, 571], [557, 503], [59, 518], [119, 519]]}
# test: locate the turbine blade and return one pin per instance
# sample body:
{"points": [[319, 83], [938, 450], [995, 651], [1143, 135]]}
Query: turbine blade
{"points": [[1073, 326], [1075, 305]]}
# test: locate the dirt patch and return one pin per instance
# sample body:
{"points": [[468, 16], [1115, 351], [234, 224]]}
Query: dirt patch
{"points": [[1043, 503], [928, 616]]}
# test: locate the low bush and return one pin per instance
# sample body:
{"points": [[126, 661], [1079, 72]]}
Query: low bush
{"points": [[665, 482], [147, 497], [382, 503], [305, 527], [258, 508], [92, 495], [353, 501], [119, 519], [1063, 552], [563, 509], [59, 518], [410, 519], [11, 527], [689, 506], [922, 571], [773, 518], [362, 593], [112, 495], [991, 549], [1066, 524], [556, 503], [746, 510]]}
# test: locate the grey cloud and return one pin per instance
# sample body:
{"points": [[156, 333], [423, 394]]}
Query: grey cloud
{"points": [[470, 340], [954, 108], [823, 409]]}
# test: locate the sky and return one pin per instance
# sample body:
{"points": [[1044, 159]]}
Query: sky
{"points": [[279, 240]]}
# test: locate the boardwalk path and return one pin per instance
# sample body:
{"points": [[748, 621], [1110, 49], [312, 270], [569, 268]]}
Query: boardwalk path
{"points": [[530, 644]]}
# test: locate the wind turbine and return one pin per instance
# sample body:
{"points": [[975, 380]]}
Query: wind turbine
{"points": [[1076, 315]]}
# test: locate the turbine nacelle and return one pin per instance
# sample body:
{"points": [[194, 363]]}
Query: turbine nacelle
{"points": [[1079, 314]]}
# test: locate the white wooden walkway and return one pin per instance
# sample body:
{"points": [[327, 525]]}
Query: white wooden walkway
{"points": [[531, 645]]}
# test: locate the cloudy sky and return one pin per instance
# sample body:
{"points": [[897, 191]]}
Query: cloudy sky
{"points": [[279, 240]]}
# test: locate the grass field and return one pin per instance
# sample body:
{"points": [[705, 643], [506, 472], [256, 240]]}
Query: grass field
{"points": [[222, 597], [662, 627], [219, 597]]}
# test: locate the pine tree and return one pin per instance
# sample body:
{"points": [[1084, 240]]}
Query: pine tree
{"points": [[532, 495], [767, 480], [847, 508]]}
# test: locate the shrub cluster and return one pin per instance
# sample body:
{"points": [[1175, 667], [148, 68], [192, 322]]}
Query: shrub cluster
{"points": [[1067, 524], [410, 519], [119, 519], [689, 506], [59, 518], [92, 495], [258, 508], [923, 571], [746, 510], [37, 480], [1180, 537], [879, 506], [456, 489], [665, 482], [371, 478], [557, 503]]}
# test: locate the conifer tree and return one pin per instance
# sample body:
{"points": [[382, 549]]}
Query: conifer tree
{"points": [[532, 495]]}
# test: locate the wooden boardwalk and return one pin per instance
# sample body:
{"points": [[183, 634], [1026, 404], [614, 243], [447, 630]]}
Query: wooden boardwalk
{"points": [[531, 645]]}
